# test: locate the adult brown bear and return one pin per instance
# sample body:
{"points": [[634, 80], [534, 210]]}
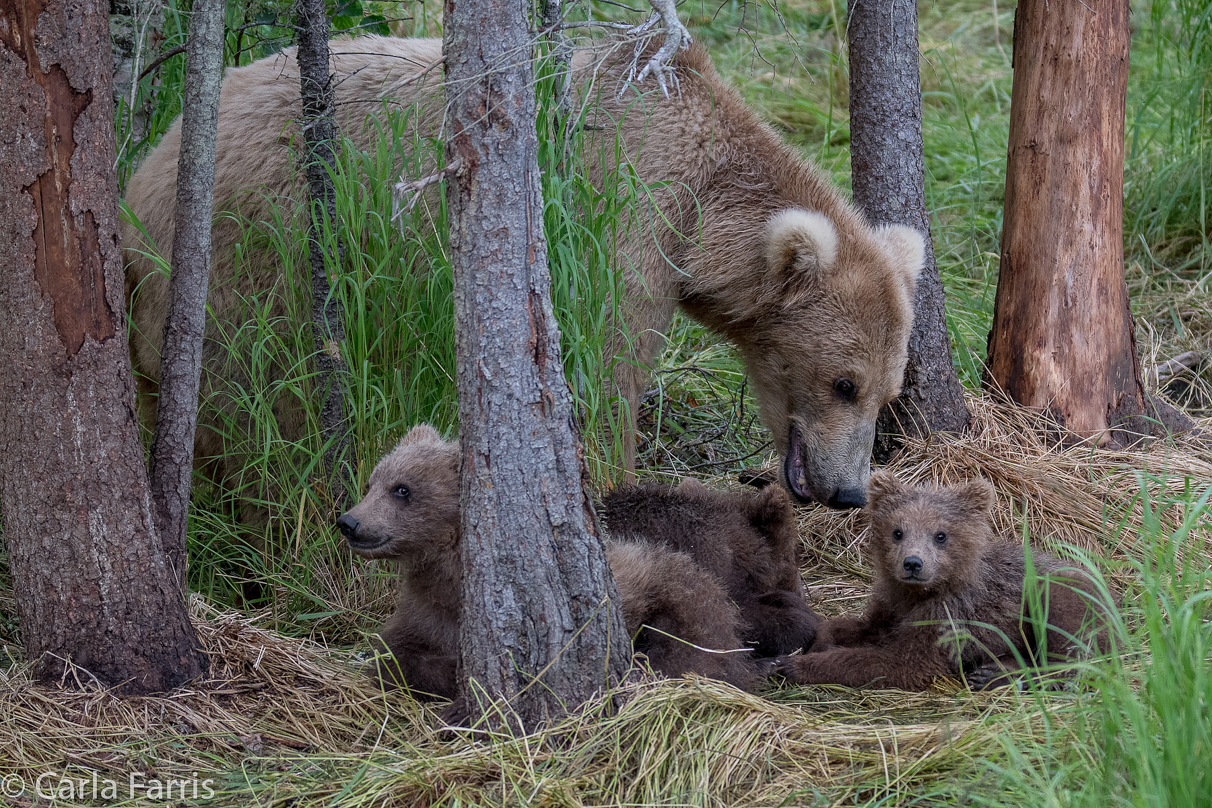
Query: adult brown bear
{"points": [[743, 232]]}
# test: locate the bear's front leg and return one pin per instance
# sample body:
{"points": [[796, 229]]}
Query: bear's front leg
{"points": [[906, 665]]}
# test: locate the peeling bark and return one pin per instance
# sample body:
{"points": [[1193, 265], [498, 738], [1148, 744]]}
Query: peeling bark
{"points": [[889, 185], [93, 588], [172, 452], [539, 601], [1062, 337]]}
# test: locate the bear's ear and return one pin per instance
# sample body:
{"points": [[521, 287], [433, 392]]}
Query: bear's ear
{"points": [[421, 433], [976, 495], [907, 250], [882, 487], [691, 487], [771, 514], [799, 241]]}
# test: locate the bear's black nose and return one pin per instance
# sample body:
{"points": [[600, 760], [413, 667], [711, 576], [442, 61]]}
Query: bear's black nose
{"points": [[848, 498], [913, 565], [348, 525]]}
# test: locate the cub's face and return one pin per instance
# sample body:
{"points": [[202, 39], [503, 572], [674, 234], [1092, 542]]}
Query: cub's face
{"points": [[829, 350], [928, 538], [412, 502]]}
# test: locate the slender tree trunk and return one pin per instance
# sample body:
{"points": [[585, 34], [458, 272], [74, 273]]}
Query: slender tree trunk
{"points": [[172, 453], [1062, 337], [539, 602], [889, 185], [92, 584], [327, 313]]}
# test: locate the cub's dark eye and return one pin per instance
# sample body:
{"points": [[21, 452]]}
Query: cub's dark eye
{"points": [[897, 535], [940, 537], [846, 389], [401, 493]]}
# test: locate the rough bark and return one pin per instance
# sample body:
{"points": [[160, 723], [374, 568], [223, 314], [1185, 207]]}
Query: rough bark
{"points": [[327, 313], [92, 585], [172, 452], [1062, 337], [539, 602], [889, 185]]}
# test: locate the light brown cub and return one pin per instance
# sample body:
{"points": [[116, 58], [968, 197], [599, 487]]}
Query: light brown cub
{"points": [[677, 613], [948, 598]]}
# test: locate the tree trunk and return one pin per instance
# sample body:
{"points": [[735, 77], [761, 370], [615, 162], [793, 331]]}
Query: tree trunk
{"points": [[889, 185], [327, 313], [172, 453], [539, 601], [91, 581], [1062, 337]]}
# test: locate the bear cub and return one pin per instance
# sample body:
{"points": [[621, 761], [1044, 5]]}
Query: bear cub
{"points": [[677, 612], [747, 540], [948, 598]]}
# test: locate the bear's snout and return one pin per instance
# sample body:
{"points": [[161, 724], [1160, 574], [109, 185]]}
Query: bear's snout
{"points": [[913, 565], [845, 498], [348, 524]]}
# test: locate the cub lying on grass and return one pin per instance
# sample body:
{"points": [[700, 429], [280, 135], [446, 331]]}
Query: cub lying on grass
{"points": [[747, 540], [948, 599], [676, 611]]}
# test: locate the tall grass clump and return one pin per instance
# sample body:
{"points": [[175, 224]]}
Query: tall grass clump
{"points": [[395, 284], [1169, 167], [1139, 733]]}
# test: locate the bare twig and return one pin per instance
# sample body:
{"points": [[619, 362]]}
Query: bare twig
{"points": [[404, 194], [677, 37], [161, 59]]}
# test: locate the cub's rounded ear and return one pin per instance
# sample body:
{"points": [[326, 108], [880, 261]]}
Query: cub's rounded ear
{"points": [[881, 488], [977, 495], [421, 433], [691, 487], [907, 249], [770, 506], [799, 241]]}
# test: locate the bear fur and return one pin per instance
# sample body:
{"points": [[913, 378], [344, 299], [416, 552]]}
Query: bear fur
{"points": [[748, 236], [948, 598], [746, 540], [677, 613]]}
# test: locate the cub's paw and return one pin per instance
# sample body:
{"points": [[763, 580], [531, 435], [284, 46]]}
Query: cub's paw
{"points": [[987, 677]]}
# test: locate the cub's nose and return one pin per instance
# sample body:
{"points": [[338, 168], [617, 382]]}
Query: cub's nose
{"points": [[848, 498], [913, 565], [348, 525]]}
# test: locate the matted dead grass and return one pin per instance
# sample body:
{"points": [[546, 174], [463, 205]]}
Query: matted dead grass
{"points": [[285, 721]]}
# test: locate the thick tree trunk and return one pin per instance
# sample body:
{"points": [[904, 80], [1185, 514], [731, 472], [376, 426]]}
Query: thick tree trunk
{"points": [[172, 453], [92, 584], [327, 313], [539, 602], [1062, 337], [889, 185]]}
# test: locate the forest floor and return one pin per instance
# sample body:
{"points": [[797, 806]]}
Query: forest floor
{"points": [[286, 716]]}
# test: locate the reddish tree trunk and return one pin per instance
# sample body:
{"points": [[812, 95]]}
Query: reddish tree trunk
{"points": [[1062, 337], [541, 624], [92, 584]]}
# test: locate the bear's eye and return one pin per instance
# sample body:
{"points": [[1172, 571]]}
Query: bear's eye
{"points": [[845, 388], [897, 535], [401, 493], [940, 537]]}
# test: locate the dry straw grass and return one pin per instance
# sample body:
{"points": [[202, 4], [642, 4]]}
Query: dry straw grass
{"points": [[287, 721]]}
